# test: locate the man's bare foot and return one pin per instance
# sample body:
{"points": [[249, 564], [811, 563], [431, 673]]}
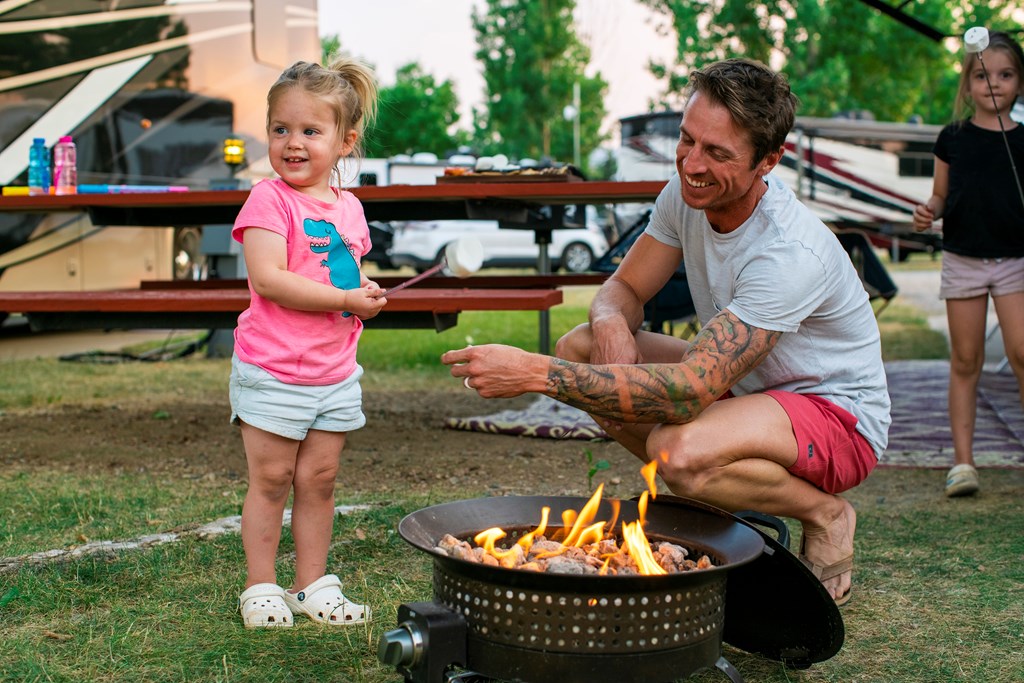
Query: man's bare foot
{"points": [[828, 550]]}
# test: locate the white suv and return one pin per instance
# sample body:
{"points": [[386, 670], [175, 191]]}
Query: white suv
{"points": [[421, 244]]}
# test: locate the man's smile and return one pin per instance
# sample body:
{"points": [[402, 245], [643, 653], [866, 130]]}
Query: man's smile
{"points": [[696, 183]]}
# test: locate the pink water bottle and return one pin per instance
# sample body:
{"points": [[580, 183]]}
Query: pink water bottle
{"points": [[65, 166]]}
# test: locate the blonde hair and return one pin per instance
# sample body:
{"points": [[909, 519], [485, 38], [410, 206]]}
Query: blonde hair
{"points": [[998, 40], [347, 85]]}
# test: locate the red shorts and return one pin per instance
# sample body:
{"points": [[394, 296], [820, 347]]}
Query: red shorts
{"points": [[831, 453]]}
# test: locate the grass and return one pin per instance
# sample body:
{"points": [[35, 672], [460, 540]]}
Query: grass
{"points": [[938, 595], [938, 598]]}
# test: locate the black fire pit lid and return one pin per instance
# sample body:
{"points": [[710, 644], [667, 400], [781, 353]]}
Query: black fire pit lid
{"points": [[774, 606]]}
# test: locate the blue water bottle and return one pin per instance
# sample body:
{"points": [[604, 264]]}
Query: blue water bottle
{"points": [[38, 167]]}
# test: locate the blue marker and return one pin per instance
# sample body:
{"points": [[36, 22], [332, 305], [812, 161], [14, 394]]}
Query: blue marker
{"points": [[129, 189]]}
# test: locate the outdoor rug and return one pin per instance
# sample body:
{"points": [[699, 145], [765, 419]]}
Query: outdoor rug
{"points": [[919, 436]]}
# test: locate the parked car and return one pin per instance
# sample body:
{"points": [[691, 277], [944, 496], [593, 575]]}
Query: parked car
{"points": [[381, 237], [421, 244]]}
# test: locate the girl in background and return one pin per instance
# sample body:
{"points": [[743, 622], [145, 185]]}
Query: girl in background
{"points": [[295, 381], [977, 196]]}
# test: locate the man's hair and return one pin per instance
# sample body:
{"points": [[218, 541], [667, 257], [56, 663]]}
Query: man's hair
{"points": [[758, 98]]}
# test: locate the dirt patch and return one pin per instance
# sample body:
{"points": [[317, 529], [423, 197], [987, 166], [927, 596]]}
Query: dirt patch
{"points": [[403, 448]]}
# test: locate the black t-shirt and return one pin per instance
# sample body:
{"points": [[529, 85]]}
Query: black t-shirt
{"points": [[984, 214]]}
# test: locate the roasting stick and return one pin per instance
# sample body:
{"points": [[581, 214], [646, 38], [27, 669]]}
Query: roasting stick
{"points": [[462, 258], [976, 40]]}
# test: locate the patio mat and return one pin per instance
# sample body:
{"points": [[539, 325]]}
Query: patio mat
{"points": [[919, 436]]}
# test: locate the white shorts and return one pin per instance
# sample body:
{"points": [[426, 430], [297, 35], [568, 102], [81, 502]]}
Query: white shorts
{"points": [[965, 277], [291, 410]]}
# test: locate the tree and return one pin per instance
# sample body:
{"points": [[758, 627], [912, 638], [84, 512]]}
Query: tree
{"points": [[838, 56], [329, 47], [416, 114], [531, 58]]}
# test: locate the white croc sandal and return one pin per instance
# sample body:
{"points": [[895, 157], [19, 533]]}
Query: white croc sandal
{"points": [[323, 601], [263, 606]]}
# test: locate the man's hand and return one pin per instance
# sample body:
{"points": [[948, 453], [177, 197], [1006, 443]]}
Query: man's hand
{"points": [[498, 371], [613, 343]]}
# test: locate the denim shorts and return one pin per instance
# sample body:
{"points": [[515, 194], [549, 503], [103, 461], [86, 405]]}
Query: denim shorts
{"points": [[965, 277], [291, 410]]}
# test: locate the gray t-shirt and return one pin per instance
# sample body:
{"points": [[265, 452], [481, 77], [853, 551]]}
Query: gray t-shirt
{"points": [[784, 270]]}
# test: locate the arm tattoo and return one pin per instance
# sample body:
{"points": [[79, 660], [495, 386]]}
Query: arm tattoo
{"points": [[721, 354]]}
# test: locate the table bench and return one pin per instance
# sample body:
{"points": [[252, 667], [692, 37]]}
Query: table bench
{"points": [[203, 307], [520, 202], [436, 282]]}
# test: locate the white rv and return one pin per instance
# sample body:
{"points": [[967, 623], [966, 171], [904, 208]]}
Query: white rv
{"points": [[852, 173], [149, 90]]}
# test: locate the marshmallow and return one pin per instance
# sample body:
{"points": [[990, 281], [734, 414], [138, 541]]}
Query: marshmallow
{"points": [[464, 256], [976, 39]]}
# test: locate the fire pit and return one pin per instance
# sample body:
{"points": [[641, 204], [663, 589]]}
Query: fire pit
{"points": [[515, 625]]}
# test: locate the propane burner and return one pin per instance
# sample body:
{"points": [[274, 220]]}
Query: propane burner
{"points": [[495, 623]]}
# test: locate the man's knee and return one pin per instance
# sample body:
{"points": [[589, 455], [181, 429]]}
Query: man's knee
{"points": [[575, 344], [681, 464]]}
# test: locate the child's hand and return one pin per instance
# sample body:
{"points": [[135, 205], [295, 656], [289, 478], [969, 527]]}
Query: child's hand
{"points": [[366, 301], [374, 287], [924, 216]]}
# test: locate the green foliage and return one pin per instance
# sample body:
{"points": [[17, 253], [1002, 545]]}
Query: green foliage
{"points": [[593, 467], [531, 58], [329, 47], [416, 114], [839, 56]]}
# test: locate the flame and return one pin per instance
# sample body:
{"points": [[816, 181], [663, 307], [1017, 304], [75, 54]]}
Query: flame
{"points": [[580, 529], [585, 517], [526, 542], [648, 472], [486, 540], [635, 542], [615, 513]]}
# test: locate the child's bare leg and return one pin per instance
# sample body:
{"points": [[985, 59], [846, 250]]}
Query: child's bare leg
{"points": [[967, 355], [316, 469], [271, 460], [1010, 311]]}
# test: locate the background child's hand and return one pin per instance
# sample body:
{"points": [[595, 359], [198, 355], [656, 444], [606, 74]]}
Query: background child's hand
{"points": [[366, 301], [923, 217]]}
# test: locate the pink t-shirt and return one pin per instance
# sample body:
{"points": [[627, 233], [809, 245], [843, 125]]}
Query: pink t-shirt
{"points": [[326, 242]]}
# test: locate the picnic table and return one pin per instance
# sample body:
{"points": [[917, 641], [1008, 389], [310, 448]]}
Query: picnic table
{"points": [[533, 205]]}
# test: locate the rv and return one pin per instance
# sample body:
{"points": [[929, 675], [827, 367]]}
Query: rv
{"points": [[150, 91], [853, 173]]}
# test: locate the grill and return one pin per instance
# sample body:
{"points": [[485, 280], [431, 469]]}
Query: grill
{"points": [[514, 625]]}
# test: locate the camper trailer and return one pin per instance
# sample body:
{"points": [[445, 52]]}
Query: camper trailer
{"points": [[853, 173], [149, 90]]}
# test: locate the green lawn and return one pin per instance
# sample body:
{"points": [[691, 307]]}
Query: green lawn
{"points": [[938, 593]]}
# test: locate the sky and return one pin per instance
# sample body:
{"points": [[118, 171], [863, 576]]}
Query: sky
{"points": [[439, 35]]}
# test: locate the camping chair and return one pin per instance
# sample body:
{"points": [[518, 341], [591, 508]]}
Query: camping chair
{"points": [[672, 304], [873, 275]]}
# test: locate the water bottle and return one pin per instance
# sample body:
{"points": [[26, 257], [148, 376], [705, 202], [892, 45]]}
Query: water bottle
{"points": [[38, 167], [65, 169]]}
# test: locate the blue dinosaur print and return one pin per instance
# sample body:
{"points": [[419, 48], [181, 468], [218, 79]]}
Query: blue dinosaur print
{"points": [[324, 238]]}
